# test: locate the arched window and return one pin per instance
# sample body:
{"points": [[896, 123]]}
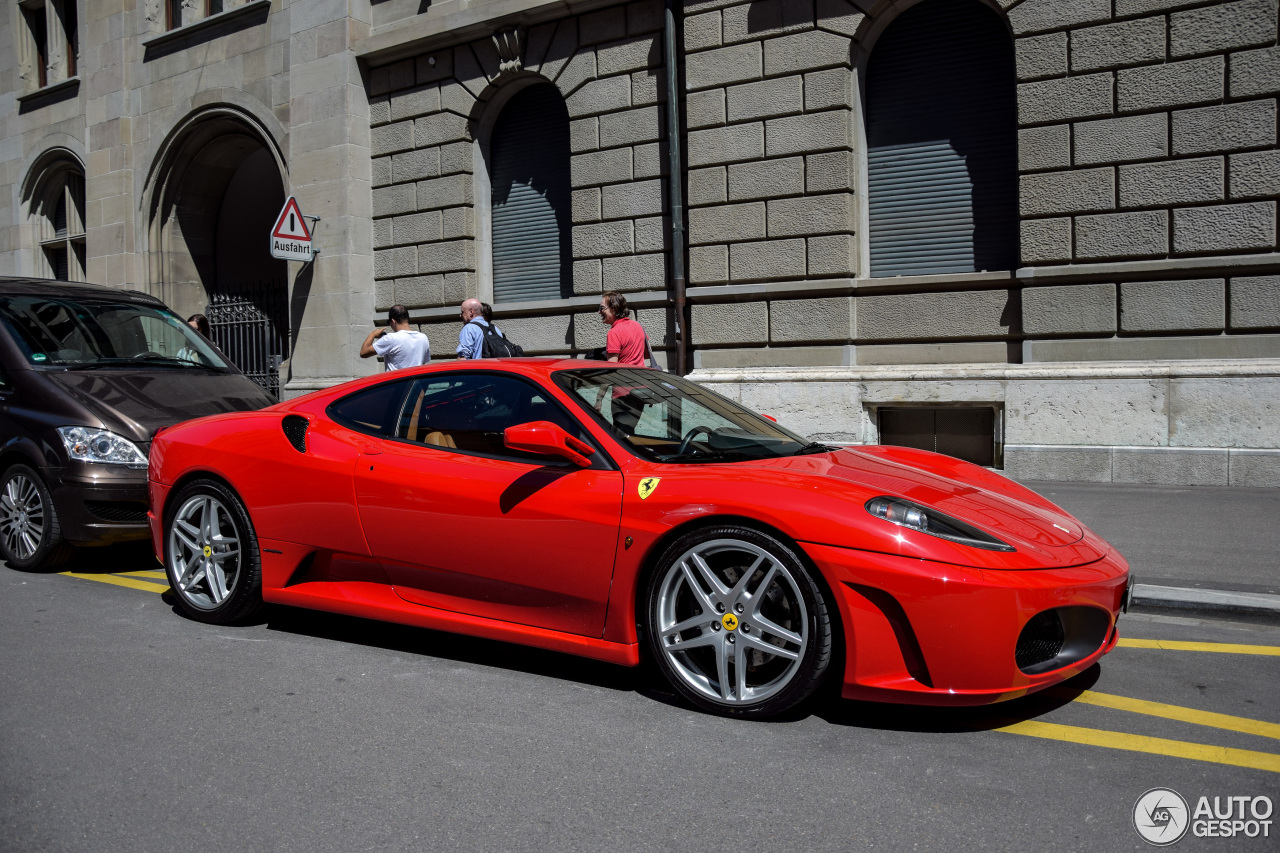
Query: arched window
{"points": [[58, 209], [529, 185], [942, 142]]}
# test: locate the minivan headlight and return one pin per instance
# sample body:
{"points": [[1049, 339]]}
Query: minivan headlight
{"points": [[930, 521], [86, 444]]}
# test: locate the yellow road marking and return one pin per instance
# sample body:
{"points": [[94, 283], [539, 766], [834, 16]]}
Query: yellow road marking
{"points": [[1179, 646], [1142, 743], [1174, 712], [119, 581], [158, 575]]}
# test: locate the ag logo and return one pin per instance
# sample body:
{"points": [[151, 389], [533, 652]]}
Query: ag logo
{"points": [[647, 485], [1161, 816]]}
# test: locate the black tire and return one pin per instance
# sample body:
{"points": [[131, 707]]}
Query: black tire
{"points": [[785, 601], [191, 561], [32, 516]]}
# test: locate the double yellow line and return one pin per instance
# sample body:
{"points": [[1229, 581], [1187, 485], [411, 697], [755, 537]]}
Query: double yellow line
{"points": [[1163, 746], [1037, 728], [127, 579]]}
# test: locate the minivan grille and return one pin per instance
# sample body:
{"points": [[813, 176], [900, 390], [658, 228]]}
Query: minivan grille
{"points": [[119, 512]]}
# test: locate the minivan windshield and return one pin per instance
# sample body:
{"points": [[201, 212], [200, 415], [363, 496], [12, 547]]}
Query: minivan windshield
{"points": [[664, 418], [86, 333]]}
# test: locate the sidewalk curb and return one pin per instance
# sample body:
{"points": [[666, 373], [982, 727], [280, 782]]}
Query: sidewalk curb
{"points": [[1253, 606]]}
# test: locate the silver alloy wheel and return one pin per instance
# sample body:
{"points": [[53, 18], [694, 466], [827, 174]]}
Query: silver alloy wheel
{"points": [[732, 622], [21, 517], [204, 552]]}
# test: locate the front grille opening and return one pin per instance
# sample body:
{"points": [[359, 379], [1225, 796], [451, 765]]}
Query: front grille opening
{"points": [[1060, 637], [295, 429], [118, 512], [965, 432]]}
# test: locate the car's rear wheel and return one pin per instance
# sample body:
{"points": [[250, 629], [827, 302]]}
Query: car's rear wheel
{"points": [[736, 623], [211, 554], [30, 535]]}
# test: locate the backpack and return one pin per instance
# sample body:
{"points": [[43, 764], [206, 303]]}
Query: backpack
{"points": [[496, 345]]}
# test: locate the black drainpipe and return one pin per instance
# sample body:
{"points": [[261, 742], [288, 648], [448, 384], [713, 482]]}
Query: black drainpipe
{"points": [[675, 168]]}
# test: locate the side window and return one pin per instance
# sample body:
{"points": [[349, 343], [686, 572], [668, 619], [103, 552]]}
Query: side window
{"points": [[372, 410], [470, 413]]}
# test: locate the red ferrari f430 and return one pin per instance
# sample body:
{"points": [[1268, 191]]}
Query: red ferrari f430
{"points": [[617, 512]]}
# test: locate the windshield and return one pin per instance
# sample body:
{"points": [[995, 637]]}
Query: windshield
{"points": [[667, 419], [81, 333]]}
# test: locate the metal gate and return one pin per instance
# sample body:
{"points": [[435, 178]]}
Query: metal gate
{"points": [[250, 325]]}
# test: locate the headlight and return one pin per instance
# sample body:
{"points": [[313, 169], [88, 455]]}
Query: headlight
{"points": [[934, 523], [86, 444]]}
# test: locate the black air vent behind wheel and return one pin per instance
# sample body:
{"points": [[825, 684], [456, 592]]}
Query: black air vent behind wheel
{"points": [[295, 429]]}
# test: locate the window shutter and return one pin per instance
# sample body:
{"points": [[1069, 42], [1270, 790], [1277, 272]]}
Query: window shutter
{"points": [[529, 180], [942, 143]]}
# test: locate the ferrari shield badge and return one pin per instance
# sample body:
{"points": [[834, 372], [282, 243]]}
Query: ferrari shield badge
{"points": [[647, 485]]}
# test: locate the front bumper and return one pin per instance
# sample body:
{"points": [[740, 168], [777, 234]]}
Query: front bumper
{"points": [[921, 632], [95, 510]]}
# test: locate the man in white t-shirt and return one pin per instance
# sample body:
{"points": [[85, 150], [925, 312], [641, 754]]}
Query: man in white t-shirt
{"points": [[399, 344]]}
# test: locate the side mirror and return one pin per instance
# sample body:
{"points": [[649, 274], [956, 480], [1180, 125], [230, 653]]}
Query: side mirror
{"points": [[547, 439]]}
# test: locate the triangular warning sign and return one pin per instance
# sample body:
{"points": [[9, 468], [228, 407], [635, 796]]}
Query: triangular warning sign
{"points": [[291, 225]]}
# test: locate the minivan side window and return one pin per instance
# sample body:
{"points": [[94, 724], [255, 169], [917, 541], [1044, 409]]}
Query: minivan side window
{"points": [[374, 410]]}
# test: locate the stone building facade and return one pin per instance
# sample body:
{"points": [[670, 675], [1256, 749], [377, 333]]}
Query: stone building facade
{"points": [[1133, 335]]}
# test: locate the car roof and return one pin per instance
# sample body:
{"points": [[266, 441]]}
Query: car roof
{"points": [[10, 286]]}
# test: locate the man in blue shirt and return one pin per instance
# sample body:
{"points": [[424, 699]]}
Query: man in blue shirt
{"points": [[471, 338]]}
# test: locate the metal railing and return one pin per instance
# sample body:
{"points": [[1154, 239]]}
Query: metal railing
{"points": [[250, 325]]}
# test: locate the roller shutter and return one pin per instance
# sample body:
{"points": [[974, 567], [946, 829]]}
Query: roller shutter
{"points": [[530, 193], [942, 143]]}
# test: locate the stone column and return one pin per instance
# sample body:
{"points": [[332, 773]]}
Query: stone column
{"points": [[332, 297]]}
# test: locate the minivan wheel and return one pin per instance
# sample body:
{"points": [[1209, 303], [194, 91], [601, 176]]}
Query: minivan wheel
{"points": [[30, 536], [211, 554]]}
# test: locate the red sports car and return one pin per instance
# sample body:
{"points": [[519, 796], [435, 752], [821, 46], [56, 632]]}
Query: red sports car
{"points": [[613, 512]]}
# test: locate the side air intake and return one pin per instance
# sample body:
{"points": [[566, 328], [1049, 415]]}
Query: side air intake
{"points": [[295, 429]]}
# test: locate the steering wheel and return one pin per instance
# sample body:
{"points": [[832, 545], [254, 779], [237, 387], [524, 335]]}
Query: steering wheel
{"points": [[689, 436]]}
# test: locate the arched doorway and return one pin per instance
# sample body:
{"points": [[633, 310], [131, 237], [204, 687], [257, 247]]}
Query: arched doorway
{"points": [[216, 192]]}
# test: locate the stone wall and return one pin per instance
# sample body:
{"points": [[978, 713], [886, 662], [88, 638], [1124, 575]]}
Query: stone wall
{"points": [[431, 115]]}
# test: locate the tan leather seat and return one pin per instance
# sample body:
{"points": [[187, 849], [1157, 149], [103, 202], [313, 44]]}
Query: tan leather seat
{"points": [[440, 439]]}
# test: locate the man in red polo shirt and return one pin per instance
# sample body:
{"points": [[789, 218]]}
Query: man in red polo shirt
{"points": [[627, 345], [626, 342]]}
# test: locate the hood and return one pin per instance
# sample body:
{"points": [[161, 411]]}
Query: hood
{"points": [[1040, 531], [136, 403]]}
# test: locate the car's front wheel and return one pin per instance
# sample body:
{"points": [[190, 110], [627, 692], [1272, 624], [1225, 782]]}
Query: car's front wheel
{"points": [[736, 623], [30, 536], [211, 554]]}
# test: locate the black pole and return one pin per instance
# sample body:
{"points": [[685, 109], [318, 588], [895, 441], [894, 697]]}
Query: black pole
{"points": [[675, 168]]}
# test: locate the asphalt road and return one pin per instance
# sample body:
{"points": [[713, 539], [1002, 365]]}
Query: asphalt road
{"points": [[128, 727], [1190, 536]]}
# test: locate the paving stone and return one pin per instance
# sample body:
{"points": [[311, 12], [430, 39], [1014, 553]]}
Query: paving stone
{"points": [[774, 97], [730, 323], [1254, 72], [726, 144], [766, 179], [807, 215], [832, 255], [832, 170], [727, 223], [705, 109], [708, 186], [805, 51], [767, 260], [1047, 147], [708, 264], [723, 66], [804, 133], [827, 319]]}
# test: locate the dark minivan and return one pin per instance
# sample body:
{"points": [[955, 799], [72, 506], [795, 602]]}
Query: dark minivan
{"points": [[88, 375]]}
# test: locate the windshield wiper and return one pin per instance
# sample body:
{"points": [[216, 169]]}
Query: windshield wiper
{"points": [[149, 360], [815, 447], [709, 456]]}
